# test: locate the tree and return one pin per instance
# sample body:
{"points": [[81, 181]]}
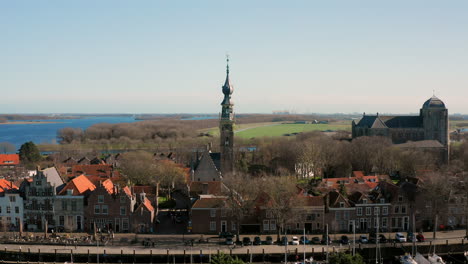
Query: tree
{"points": [[169, 174], [139, 167], [343, 258], [6, 147], [222, 258], [29, 153]]}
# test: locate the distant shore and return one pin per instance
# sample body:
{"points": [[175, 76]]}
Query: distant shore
{"points": [[27, 122]]}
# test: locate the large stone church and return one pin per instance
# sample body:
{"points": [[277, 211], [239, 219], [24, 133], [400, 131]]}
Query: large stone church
{"points": [[428, 130]]}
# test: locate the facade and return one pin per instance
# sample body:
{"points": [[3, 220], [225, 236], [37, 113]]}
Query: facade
{"points": [[430, 124], [11, 206], [40, 194], [340, 213], [211, 216], [70, 202]]}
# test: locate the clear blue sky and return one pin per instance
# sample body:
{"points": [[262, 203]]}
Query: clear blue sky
{"points": [[169, 56]]}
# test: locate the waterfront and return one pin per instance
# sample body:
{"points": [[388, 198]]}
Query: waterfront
{"points": [[46, 132]]}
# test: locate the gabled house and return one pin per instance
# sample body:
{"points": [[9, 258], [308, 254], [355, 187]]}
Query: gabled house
{"points": [[340, 212], [11, 206], [70, 202], [143, 216], [210, 215], [207, 168], [9, 160]]}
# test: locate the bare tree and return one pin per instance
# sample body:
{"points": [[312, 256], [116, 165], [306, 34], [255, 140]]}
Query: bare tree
{"points": [[6, 147]]}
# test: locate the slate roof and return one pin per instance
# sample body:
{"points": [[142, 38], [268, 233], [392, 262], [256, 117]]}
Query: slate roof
{"points": [[216, 157], [9, 159], [213, 187], [377, 121], [52, 176], [211, 202], [434, 102]]}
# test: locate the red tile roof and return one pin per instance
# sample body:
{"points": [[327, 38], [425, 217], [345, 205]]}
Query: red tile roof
{"points": [[6, 185], [109, 186], [127, 191], [79, 185], [9, 159], [148, 205], [97, 170]]}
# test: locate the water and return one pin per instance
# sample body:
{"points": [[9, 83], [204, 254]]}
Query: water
{"points": [[17, 134], [200, 118]]}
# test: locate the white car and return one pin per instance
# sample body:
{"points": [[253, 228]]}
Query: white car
{"points": [[295, 241], [399, 237], [363, 239]]}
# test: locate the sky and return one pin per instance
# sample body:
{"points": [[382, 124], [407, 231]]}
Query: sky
{"points": [[169, 56]]}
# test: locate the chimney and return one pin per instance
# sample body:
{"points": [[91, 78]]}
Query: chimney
{"points": [[142, 196]]}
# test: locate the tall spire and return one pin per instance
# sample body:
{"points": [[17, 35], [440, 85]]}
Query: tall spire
{"points": [[227, 87], [226, 126], [227, 64]]}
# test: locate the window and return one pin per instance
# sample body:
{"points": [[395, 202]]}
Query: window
{"points": [[213, 212], [272, 225], [73, 205], [385, 210], [16, 210], [376, 224], [100, 198], [345, 215], [376, 210], [212, 226], [341, 204], [368, 210], [12, 199], [125, 224], [64, 205], [105, 209], [266, 225], [62, 220], [400, 198], [123, 210], [364, 201], [223, 212], [0, 209], [384, 222], [337, 216], [233, 226], [382, 200], [396, 209], [8, 209], [359, 211], [403, 209], [97, 209]]}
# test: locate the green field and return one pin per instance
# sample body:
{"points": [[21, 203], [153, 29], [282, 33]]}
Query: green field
{"points": [[277, 130]]}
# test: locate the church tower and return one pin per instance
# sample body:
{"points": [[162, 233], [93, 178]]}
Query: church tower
{"points": [[226, 126], [435, 120]]}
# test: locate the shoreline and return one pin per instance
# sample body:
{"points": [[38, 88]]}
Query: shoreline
{"points": [[27, 122]]}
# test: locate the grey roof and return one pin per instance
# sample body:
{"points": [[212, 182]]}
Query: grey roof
{"points": [[216, 157], [421, 144], [377, 121], [53, 178], [434, 102]]}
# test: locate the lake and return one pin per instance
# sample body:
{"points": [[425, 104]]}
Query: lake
{"points": [[17, 134]]}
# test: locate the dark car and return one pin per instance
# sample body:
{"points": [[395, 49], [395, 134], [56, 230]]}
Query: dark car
{"points": [[229, 241], [304, 240], [372, 238], [246, 241], [257, 241], [269, 240], [382, 238], [284, 241], [420, 237], [324, 240], [315, 240], [344, 240]]}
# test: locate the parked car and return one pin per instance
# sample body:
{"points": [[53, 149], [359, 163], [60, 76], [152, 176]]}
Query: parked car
{"points": [[372, 237], [382, 238], [304, 240], [269, 240], [229, 241], [324, 240], [344, 240], [363, 239], [295, 240], [246, 241], [284, 241], [420, 237], [257, 241], [316, 240], [410, 237], [399, 237]]}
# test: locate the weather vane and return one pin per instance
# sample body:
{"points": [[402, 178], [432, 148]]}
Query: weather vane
{"points": [[227, 63]]}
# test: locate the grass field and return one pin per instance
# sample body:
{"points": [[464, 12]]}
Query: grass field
{"points": [[276, 130]]}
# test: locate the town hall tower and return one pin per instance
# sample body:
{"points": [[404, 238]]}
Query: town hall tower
{"points": [[226, 126]]}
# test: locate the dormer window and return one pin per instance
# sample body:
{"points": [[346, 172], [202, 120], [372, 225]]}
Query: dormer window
{"points": [[382, 200], [100, 198], [342, 204], [69, 192], [364, 201]]}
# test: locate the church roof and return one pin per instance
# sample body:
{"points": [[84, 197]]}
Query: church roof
{"points": [[377, 121], [434, 102], [216, 157]]}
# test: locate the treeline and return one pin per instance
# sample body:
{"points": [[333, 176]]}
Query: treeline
{"points": [[7, 118]]}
